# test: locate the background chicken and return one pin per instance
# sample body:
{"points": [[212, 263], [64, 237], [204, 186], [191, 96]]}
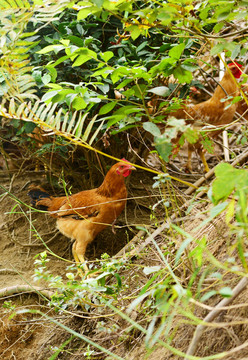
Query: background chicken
{"points": [[82, 216], [242, 107], [213, 111]]}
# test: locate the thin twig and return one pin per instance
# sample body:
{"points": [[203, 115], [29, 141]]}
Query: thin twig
{"points": [[128, 246], [8, 271], [212, 315], [17, 289], [13, 238]]}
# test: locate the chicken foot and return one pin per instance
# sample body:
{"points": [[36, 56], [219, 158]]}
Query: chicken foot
{"points": [[200, 152], [80, 260]]}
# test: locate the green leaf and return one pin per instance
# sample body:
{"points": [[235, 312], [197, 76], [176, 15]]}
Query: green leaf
{"points": [[79, 103], [107, 108], [164, 148], [119, 73], [160, 90], [49, 48], [226, 292], [46, 79], [135, 31], [165, 17], [53, 72], [37, 75], [98, 3], [208, 295], [216, 210], [83, 13], [29, 126], [227, 180], [235, 51], [183, 246], [49, 95], [152, 128], [114, 119], [151, 269], [118, 278], [218, 48], [191, 135], [141, 46], [81, 59], [107, 55], [177, 51], [76, 40], [182, 75]]}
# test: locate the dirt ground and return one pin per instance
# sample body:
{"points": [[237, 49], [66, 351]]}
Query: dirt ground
{"points": [[29, 336], [23, 337]]}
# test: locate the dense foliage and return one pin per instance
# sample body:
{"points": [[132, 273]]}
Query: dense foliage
{"points": [[124, 64]]}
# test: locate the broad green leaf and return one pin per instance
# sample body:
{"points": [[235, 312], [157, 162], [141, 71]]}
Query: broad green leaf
{"points": [[79, 103], [107, 108], [83, 13], [164, 17], [128, 109], [176, 51], [218, 48], [135, 31], [107, 55], [218, 26], [182, 75], [76, 40], [152, 128], [53, 72], [160, 90], [227, 180], [49, 95], [46, 79], [104, 72], [98, 3], [114, 119], [235, 51], [141, 46], [119, 73], [81, 59], [164, 148]]}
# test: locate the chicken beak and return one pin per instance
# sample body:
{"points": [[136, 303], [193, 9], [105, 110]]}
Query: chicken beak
{"points": [[132, 168]]}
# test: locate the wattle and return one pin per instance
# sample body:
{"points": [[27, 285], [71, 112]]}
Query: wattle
{"points": [[126, 173]]}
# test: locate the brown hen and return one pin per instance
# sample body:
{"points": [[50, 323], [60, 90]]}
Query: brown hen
{"points": [[82, 216]]}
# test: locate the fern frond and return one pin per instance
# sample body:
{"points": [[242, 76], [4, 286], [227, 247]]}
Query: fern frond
{"points": [[50, 118]]}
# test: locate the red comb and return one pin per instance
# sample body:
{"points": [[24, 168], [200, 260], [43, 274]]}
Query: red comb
{"points": [[235, 63], [123, 159]]}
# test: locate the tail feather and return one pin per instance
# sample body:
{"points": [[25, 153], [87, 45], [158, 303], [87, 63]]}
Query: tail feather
{"points": [[36, 194]]}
